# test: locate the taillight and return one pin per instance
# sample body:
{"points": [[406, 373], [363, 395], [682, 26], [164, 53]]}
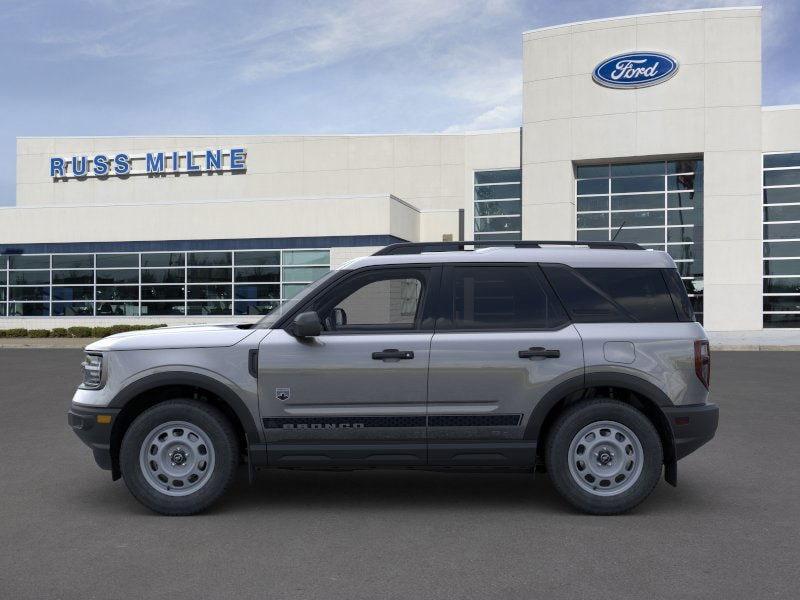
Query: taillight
{"points": [[702, 361]]}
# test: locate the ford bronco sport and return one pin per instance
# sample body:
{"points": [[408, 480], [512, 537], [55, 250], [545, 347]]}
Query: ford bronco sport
{"points": [[583, 359]]}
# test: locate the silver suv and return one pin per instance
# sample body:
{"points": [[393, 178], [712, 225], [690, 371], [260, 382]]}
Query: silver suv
{"points": [[581, 359]]}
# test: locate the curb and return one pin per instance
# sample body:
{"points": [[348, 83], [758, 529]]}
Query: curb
{"points": [[753, 348], [56, 343]]}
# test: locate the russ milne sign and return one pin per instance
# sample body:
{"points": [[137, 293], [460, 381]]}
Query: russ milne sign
{"points": [[150, 163], [635, 70]]}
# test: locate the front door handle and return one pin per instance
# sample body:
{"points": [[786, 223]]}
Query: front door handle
{"points": [[539, 352], [393, 353]]}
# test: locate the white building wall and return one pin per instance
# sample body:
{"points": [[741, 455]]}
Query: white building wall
{"points": [[780, 127], [433, 173], [712, 107], [239, 219]]}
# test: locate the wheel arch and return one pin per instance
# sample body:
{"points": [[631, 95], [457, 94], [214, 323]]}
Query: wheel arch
{"points": [[630, 389], [158, 387]]}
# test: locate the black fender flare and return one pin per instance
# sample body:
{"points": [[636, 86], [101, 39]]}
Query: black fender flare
{"points": [[622, 380], [193, 379]]}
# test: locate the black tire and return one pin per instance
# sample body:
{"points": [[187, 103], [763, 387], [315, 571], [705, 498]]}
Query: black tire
{"points": [[557, 456], [225, 449]]}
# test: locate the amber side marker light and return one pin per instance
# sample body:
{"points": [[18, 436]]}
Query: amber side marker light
{"points": [[104, 419]]}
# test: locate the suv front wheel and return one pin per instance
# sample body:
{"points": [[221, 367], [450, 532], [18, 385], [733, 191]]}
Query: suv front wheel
{"points": [[604, 456], [178, 457]]}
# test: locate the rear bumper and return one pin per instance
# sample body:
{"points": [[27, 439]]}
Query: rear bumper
{"points": [[692, 426], [83, 421]]}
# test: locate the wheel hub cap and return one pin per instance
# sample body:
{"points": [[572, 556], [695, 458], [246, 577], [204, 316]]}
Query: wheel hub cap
{"points": [[177, 458], [605, 458]]}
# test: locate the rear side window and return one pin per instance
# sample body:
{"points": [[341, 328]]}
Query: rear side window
{"points": [[612, 295], [500, 298], [641, 292], [585, 302]]}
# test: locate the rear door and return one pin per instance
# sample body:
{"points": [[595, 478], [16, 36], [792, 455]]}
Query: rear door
{"points": [[502, 341], [355, 394]]}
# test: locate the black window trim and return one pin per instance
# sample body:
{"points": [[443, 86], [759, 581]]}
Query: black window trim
{"points": [[443, 312]]}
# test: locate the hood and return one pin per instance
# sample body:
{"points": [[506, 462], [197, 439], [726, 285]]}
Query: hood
{"points": [[191, 336]]}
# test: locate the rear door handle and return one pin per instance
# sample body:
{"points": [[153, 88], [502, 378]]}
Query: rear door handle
{"points": [[393, 353], [539, 352]]}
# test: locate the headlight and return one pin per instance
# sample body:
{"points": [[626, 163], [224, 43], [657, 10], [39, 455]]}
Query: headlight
{"points": [[92, 371]]}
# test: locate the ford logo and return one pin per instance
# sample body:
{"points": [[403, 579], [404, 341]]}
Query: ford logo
{"points": [[635, 70]]}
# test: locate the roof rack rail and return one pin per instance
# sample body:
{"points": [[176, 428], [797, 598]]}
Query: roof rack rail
{"points": [[420, 247]]}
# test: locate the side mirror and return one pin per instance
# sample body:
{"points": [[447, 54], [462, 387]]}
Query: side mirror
{"points": [[306, 325], [339, 317]]}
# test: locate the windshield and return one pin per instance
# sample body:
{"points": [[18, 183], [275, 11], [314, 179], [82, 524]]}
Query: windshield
{"points": [[289, 305]]}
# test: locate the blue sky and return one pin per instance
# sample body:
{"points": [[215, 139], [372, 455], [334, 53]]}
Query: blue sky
{"points": [[104, 67]]}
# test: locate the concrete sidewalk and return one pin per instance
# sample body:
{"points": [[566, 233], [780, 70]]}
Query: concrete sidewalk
{"points": [[46, 342], [765, 339]]}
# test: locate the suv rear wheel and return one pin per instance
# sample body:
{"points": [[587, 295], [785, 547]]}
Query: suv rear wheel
{"points": [[604, 456], [179, 457]]}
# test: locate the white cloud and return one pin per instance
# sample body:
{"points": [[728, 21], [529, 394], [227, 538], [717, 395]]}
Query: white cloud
{"points": [[332, 35], [497, 117]]}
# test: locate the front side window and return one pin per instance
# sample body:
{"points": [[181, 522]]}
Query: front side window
{"points": [[385, 300], [500, 298]]}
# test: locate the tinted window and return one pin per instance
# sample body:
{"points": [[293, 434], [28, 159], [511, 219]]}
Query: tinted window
{"points": [[29, 277], [258, 258], [73, 261], [73, 277], [118, 276], [512, 297], [209, 259], [110, 261], [163, 259], [585, 303], [29, 262], [163, 276], [642, 292]]}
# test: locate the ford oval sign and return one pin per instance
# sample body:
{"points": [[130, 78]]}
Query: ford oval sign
{"points": [[635, 70]]}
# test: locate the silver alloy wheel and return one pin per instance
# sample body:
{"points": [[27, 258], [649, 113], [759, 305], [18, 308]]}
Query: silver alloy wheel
{"points": [[605, 458], [177, 458]]}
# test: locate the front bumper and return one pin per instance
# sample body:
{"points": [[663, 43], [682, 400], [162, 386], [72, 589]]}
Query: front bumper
{"points": [[692, 426], [94, 432]]}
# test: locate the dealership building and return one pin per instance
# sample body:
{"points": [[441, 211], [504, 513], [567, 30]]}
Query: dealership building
{"points": [[645, 128]]}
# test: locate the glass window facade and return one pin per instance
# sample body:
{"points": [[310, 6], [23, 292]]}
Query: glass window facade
{"points": [[498, 205], [657, 204], [129, 284], [781, 210]]}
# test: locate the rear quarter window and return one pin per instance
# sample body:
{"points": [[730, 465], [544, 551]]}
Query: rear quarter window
{"points": [[641, 292], [603, 295]]}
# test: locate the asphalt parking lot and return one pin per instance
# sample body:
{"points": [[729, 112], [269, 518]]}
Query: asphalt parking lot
{"points": [[731, 529]]}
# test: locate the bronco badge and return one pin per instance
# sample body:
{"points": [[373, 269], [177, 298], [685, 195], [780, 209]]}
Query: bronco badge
{"points": [[282, 394]]}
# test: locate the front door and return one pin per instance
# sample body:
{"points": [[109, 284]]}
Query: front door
{"points": [[502, 342], [356, 394]]}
